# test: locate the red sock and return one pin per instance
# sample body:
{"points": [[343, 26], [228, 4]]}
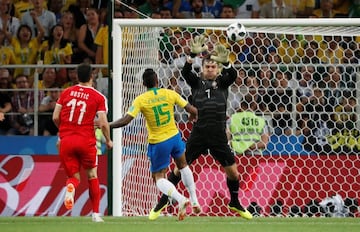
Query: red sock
{"points": [[94, 193], [74, 181]]}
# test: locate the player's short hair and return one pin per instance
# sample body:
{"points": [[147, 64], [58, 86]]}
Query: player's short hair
{"points": [[149, 78], [84, 71]]}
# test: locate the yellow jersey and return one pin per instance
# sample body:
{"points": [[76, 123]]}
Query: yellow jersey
{"points": [[52, 56], [27, 55], [102, 39], [157, 106]]}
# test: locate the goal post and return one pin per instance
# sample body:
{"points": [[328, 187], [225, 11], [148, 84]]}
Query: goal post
{"points": [[301, 165]]}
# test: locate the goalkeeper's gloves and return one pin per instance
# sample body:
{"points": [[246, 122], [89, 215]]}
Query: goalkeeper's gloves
{"points": [[221, 55], [197, 45]]}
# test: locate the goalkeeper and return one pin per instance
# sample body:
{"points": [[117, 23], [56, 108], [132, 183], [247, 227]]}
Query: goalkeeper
{"points": [[209, 96]]}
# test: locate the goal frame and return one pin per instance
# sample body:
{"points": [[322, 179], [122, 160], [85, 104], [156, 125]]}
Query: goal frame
{"points": [[117, 106]]}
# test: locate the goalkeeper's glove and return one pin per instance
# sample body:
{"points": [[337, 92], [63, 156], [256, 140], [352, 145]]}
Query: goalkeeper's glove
{"points": [[197, 45], [221, 54]]}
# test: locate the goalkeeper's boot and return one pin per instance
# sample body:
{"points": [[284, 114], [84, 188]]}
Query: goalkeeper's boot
{"points": [[244, 213], [196, 208], [182, 209], [155, 212], [96, 217], [69, 196]]}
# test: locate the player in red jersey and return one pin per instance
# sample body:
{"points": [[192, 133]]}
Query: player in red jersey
{"points": [[74, 115]]}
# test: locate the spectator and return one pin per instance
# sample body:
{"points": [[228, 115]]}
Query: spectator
{"points": [[102, 50], [149, 7], [26, 48], [227, 12], [326, 10], [179, 6], [58, 51], [165, 13], [213, 7], [7, 54], [273, 59], [310, 51], [5, 101], [23, 107], [131, 13], [236, 91], [78, 9], [70, 34], [48, 79], [245, 9], [197, 11], [72, 77], [276, 9], [290, 49], [305, 81], [46, 108], [8, 23], [6, 81], [23, 6], [342, 7], [334, 85], [56, 7], [46, 18], [302, 9], [351, 56], [155, 15], [265, 76], [345, 116], [281, 103], [87, 34], [102, 54], [317, 124], [330, 51]]}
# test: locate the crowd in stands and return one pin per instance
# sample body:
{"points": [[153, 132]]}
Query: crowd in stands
{"points": [[303, 82], [44, 32]]}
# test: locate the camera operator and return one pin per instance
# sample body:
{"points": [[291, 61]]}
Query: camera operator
{"points": [[23, 107]]}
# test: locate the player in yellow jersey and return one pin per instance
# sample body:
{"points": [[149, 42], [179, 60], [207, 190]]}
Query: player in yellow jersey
{"points": [[157, 106]]}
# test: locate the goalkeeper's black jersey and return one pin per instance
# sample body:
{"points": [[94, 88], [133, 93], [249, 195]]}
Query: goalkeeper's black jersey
{"points": [[210, 97]]}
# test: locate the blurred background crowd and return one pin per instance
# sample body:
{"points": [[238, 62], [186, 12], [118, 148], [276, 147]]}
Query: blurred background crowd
{"points": [[303, 84]]}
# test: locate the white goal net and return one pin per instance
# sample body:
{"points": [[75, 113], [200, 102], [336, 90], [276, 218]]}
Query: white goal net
{"points": [[304, 75]]}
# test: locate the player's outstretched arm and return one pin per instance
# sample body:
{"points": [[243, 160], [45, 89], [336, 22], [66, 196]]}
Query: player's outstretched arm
{"points": [[121, 121]]}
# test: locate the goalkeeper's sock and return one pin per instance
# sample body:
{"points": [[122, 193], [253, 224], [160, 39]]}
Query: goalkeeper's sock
{"points": [[234, 186], [173, 178]]}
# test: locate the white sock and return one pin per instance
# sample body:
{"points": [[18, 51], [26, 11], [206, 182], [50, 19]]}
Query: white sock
{"points": [[167, 188], [188, 180]]}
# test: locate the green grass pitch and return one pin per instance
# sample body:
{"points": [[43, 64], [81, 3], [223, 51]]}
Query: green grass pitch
{"points": [[170, 224]]}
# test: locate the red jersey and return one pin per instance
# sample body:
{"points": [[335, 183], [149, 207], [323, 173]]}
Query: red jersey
{"points": [[79, 106]]}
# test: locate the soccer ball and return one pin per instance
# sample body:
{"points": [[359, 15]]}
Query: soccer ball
{"points": [[236, 32]]}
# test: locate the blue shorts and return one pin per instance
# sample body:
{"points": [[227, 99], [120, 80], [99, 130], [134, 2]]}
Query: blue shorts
{"points": [[160, 153]]}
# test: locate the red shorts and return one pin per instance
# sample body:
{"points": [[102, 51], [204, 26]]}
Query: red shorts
{"points": [[76, 152]]}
